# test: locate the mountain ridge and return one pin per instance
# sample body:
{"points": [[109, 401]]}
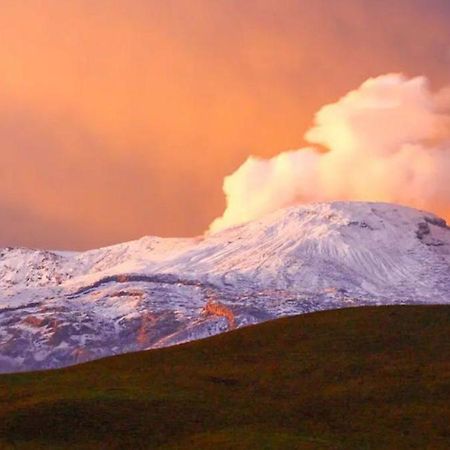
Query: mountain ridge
{"points": [[60, 308]]}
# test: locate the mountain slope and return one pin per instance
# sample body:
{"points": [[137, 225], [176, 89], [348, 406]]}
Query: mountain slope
{"points": [[349, 379], [60, 308]]}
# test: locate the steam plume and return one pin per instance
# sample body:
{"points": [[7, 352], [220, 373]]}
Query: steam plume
{"points": [[389, 140]]}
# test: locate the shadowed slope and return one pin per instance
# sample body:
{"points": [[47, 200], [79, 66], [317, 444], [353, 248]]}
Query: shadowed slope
{"points": [[354, 378]]}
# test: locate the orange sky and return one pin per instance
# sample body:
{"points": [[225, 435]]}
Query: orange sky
{"points": [[120, 118]]}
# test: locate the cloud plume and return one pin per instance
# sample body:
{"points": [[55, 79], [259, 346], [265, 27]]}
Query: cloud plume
{"points": [[388, 140]]}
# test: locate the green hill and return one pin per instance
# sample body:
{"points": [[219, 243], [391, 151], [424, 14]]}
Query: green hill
{"points": [[366, 378]]}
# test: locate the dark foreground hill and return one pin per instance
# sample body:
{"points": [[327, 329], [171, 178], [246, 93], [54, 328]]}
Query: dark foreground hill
{"points": [[367, 378]]}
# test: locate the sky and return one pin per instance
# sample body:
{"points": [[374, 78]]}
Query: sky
{"points": [[121, 118]]}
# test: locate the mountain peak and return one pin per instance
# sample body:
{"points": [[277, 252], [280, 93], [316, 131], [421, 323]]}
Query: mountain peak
{"points": [[58, 308]]}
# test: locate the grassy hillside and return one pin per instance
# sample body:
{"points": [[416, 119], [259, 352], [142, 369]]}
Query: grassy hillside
{"points": [[366, 378]]}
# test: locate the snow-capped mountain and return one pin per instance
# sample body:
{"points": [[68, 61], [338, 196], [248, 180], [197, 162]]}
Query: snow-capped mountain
{"points": [[60, 308]]}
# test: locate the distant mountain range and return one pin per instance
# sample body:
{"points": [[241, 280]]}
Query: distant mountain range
{"points": [[62, 308]]}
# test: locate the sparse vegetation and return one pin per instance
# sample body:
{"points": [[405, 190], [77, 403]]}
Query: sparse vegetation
{"points": [[366, 378]]}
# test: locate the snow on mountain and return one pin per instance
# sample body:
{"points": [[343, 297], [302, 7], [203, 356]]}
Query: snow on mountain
{"points": [[60, 308]]}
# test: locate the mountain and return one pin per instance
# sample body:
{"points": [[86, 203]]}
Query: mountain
{"points": [[62, 308], [359, 378]]}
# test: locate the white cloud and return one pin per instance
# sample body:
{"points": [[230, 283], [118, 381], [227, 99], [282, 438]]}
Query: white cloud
{"points": [[389, 140]]}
